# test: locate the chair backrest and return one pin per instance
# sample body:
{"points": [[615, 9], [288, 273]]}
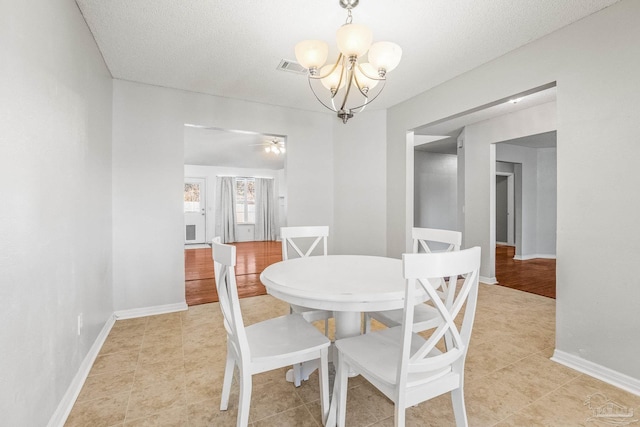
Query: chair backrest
{"points": [[420, 271], [309, 237], [224, 264], [424, 238]]}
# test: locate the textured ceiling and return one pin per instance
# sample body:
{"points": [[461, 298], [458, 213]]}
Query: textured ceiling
{"points": [[232, 48]]}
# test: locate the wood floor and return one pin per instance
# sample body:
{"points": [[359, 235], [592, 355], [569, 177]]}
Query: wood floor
{"points": [[536, 276], [251, 259]]}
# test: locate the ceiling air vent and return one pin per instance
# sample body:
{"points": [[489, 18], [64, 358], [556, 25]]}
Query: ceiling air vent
{"points": [[291, 66]]}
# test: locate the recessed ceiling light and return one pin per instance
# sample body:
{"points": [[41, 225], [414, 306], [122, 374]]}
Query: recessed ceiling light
{"points": [[515, 101]]}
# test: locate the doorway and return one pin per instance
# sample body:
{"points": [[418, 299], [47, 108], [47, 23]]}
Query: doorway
{"points": [[478, 130], [213, 153], [505, 209]]}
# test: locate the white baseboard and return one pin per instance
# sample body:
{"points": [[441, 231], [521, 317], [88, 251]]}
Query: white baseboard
{"points": [[615, 378], [150, 311], [526, 257], [63, 410], [488, 280]]}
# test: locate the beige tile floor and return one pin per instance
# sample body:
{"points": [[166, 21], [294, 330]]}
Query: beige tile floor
{"points": [[167, 371]]}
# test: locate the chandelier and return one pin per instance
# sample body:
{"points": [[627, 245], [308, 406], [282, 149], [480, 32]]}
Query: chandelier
{"points": [[349, 76]]}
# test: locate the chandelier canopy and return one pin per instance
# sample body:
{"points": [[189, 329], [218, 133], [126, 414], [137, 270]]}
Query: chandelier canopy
{"points": [[350, 74]]}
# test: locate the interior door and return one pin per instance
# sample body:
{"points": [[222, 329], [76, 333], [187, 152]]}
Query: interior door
{"points": [[195, 212]]}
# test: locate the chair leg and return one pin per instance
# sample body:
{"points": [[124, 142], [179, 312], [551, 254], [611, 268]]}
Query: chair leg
{"points": [[367, 323], [399, 416], [341, 389], [297, 374], [245, 399], [323, 373], [459, 410], [228, 379]]}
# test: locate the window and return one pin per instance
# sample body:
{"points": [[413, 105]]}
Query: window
{"points": [[245, 200], [191, 197]]}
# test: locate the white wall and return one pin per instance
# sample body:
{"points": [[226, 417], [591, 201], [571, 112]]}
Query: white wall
{"points": [[55, 213], [547, 202], [435, 190], [245, 233], [148, 235], [359, 185], [598, 123]]}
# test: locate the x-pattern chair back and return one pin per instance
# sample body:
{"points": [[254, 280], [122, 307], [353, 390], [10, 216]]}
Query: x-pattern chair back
{"points": [[424, 240], [292, 237], [422, 237], [421, 271]]}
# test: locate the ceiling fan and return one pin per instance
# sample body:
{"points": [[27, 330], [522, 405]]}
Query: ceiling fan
{"points": [[274, 145]]}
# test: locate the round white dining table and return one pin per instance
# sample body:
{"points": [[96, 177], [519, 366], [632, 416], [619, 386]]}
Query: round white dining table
{"points": [[344, 284]]}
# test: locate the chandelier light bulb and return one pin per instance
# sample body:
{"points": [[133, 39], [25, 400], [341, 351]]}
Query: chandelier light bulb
{"points": [[312, 54], [354, 39], [385, 56], [331, 81]]}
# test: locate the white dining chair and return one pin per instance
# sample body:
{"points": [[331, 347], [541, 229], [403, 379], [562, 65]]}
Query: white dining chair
{"points": [[263, 346], [425, 240], [300, 242], [406, 367]]}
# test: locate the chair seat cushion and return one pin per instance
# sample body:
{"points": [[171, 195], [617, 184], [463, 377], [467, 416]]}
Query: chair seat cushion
{"points": [[284, 336], [378, 353]]}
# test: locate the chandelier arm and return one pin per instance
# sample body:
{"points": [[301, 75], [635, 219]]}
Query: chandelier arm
{"points": [[318, 98], [348, 90], [372, 99], [330, 71], [355, 77], [378, 78], [366, 102]]}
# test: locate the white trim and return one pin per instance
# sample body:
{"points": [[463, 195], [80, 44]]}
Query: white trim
{"points": [[488, 280], [527, 257], [63, 410], [615, 378], [150, 311]]}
